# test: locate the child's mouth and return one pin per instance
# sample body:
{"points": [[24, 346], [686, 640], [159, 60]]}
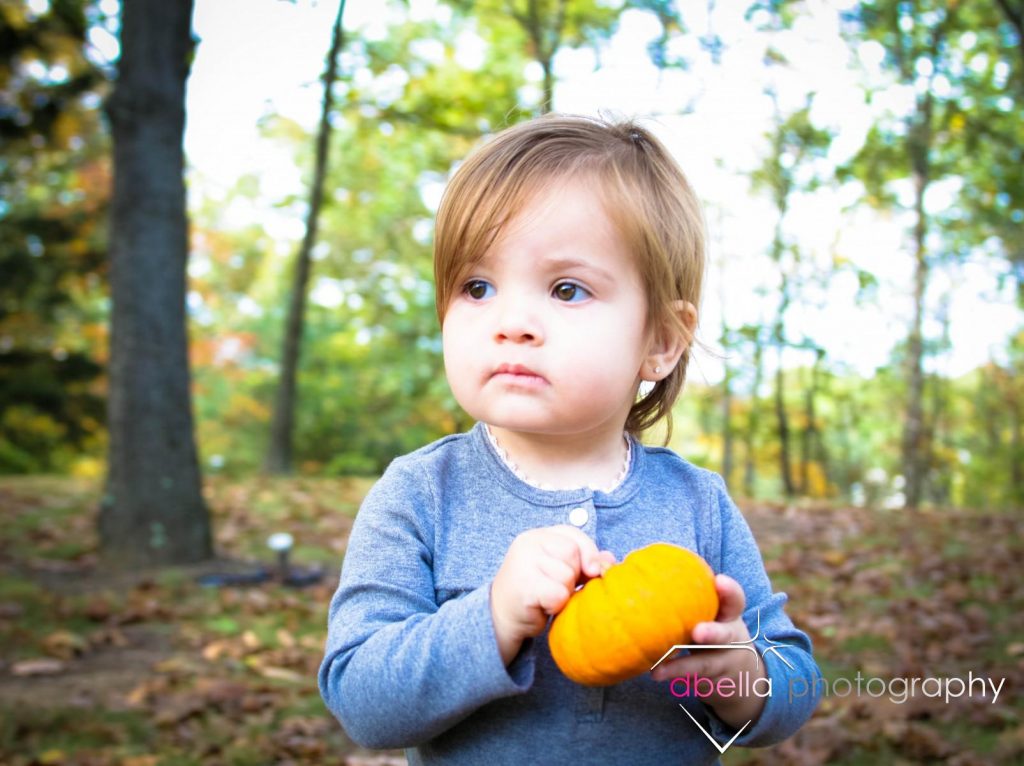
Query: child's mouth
{"points": [[518, 375]]}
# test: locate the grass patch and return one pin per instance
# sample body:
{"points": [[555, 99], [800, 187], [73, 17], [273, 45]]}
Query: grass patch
{"points": [[70, 730]]}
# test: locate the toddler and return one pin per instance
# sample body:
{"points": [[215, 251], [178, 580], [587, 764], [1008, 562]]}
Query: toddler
{"points": [[568, 258]]}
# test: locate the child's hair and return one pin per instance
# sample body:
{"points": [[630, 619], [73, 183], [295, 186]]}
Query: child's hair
{"points": [[645, 193]]}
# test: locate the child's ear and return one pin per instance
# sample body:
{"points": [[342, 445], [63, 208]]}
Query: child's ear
{"points": [[670, 341]]}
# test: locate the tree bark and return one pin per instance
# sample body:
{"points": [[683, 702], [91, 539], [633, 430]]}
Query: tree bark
{"points": [[282, 429], [545, 40], [811, 448], [781, 416], [152, 512], [727, 431], [1016, 453], [915, 445], [754, 418], [785, 469], [1015, 15]]}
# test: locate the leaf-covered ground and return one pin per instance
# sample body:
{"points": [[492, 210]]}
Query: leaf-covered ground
{"points": [[154, 669]]}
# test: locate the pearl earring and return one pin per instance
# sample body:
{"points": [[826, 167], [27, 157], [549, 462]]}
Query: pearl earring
{"points": [[657, 370]]}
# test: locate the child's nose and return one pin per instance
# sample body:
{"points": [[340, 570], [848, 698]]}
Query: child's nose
{"points": [[518, 323]]}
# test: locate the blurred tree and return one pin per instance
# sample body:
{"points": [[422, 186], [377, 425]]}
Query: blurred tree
{"points": [[53, 196], [152, 510], [1013, 10], [813, 456], [753, 336], [990, 122], [920, 39], [544, 27], [794, 144], [279, 451]]}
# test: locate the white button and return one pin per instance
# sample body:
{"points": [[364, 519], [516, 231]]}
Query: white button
{"points": [[578, 516]]}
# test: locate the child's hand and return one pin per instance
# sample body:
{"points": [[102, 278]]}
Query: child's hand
{"points": [[716, 664], [540, 572]]}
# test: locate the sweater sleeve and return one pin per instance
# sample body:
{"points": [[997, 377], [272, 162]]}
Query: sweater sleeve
{"points": [[398, 669], [789, 665]]}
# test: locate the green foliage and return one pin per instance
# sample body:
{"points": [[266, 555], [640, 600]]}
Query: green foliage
{"points": [[795, 143], [53, 193], [56, 414], [410, 104]]}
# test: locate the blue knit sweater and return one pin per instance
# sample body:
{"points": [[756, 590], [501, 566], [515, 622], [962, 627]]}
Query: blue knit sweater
{"points": [[412, 660]]}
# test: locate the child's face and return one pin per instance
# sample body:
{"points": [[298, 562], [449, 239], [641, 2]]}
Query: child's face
{"points": [[547, 334]]}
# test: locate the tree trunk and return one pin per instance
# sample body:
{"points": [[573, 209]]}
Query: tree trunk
{"points": [[785, 469], [811, 448], [545, 38], [937, 478], [1016, 454], [781, 417], [805, 440], [1015, 15], [727, 434], [549, 86], [754, 418], [282, 429], [914, 444], [152, 512]]}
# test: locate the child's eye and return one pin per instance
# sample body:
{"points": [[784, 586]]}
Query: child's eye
{"points": [[570, 292], [478, 289]]}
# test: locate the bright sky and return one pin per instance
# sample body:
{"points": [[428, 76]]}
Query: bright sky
{"points": [[258, 57]]}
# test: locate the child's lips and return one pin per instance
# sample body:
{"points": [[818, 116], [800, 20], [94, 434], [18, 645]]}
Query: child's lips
{"points": [[519, 375]]}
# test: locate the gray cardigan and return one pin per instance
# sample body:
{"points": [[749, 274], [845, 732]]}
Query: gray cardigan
{"points": [[412, 661]]}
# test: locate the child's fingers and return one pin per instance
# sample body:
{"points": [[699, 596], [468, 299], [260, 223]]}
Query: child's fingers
{"points": [[707, 664], [556, 569], [719, 632], [551, 596], [607, 559], [731, 599], [588, 558]]}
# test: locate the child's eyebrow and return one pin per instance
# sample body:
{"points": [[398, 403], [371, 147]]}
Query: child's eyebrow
{"points": [[565, 263]]}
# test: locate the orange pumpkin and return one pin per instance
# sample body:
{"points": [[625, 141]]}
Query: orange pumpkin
{"points": [[618, 625]]}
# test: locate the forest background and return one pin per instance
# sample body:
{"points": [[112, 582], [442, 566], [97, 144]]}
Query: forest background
{"points": [[866, 255]]}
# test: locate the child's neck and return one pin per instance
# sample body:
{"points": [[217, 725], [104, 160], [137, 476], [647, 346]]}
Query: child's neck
{"points": [[565, 462]]}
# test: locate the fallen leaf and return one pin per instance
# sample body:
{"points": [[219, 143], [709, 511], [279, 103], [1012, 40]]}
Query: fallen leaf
{"points": [[65, 645], [281, 674], [41, 666], [140, 760], [285, 639], [250, 640]]}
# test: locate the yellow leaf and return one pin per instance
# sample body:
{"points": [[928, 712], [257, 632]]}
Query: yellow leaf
{"points": [[281, 674], [140, 760], [834, 557], [64, 644], [285, 639], [250, 640]]}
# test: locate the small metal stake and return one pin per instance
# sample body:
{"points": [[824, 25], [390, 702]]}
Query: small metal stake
{"points": [[281, 543]]}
